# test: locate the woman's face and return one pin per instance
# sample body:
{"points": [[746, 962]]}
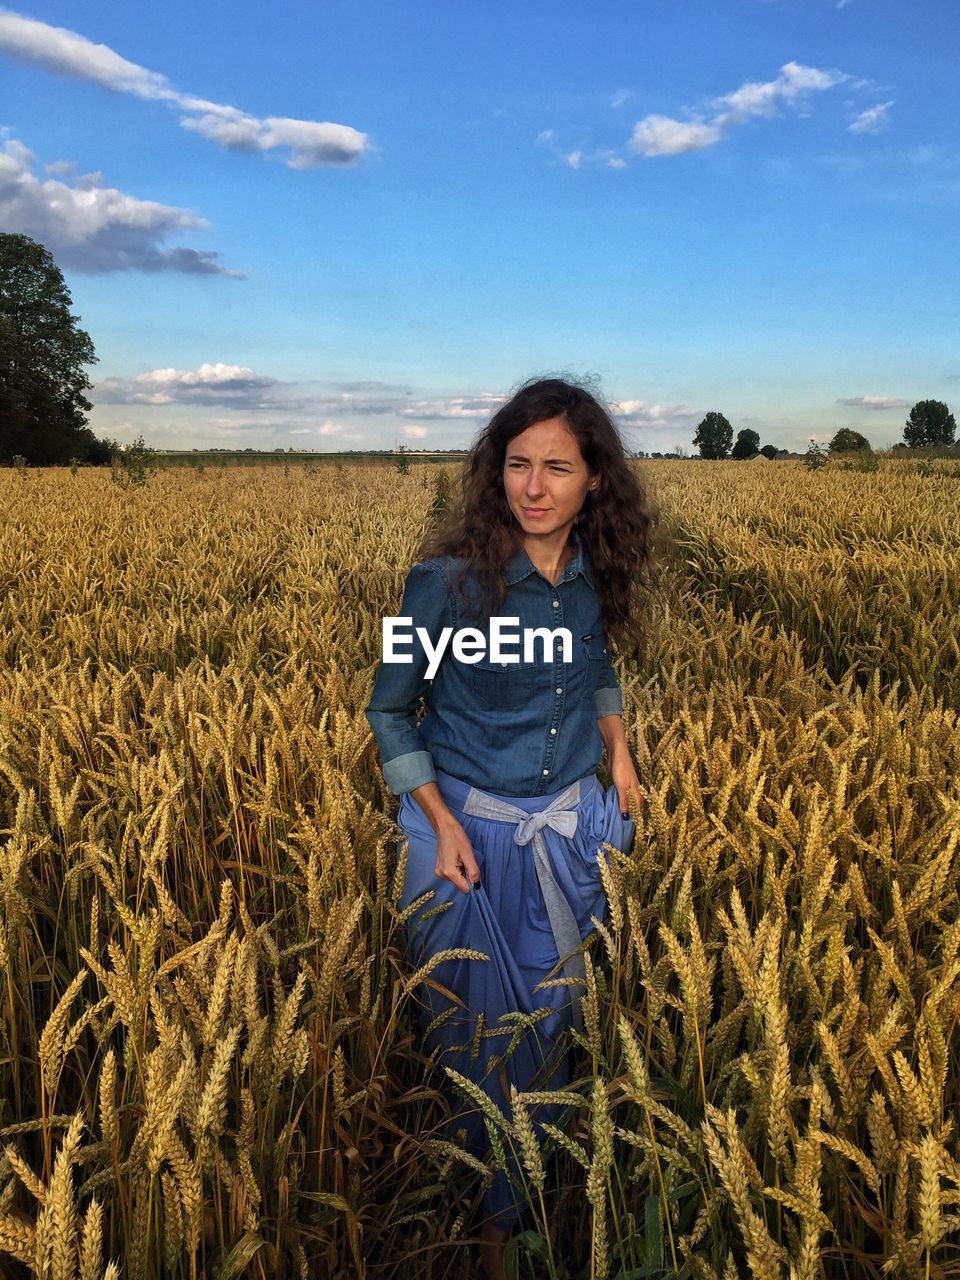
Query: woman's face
{"points": [[546, 478]]}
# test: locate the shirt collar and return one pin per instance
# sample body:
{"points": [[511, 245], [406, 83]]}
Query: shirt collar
{"points": [[521, 566]]}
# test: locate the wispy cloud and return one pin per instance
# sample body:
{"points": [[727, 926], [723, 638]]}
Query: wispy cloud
{"points": [[873, 119], [638, 413], [474, 408], [875, 402], [248, 401], [240, 387], [547, 138], [369, 386], [661, 135], [307, 142], [620, 97], [94, 228], [761, 98]]}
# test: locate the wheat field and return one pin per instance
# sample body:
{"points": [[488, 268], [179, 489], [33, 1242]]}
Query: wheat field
{"points": [[209, 1063]]}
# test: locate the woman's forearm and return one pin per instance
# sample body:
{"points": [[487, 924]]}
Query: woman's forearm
{"points": [[435, 808], [614, 738]]}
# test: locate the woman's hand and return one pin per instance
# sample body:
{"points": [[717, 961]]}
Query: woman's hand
{"points": [[623, 774], [455, 859], [624, 778]]}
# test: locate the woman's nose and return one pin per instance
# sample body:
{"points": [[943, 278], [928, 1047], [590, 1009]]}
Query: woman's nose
{"points": [[534, 482]]}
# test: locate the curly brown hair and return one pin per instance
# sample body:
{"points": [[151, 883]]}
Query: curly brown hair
{"points": [[615, 522]]}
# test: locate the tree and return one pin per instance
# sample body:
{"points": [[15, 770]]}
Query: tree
{"points": [[770, 451], [748, 443], [816, 456], [930, 422], [847, 439], [714, 436], [43, 352]]}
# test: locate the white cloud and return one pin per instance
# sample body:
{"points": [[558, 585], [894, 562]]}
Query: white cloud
{"points": [[658, 135], [233, 130], [210, 384], [761, 98], [661, 136], [56, 49], [620, 97], [876, 402], [574, 158], [310, 142], [873, 119], [321, 429], [66, 53], [637, 413], [94, 228], [446, 408], [415, 433]]}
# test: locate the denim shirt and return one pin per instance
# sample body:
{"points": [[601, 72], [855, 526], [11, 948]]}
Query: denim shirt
{"points": [[522, 729]]}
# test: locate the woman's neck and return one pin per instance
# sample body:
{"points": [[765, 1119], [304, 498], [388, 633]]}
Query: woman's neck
{"points": [[550, 558]]}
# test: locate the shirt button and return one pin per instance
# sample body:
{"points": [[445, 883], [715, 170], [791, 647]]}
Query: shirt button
{"points": [[503, 664], [556, 604], [559, 691], [545, 772], [553, 731]]}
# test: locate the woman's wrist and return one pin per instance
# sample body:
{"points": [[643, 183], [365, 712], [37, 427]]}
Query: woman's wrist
{"points": [[435, 808], [614, 738]]}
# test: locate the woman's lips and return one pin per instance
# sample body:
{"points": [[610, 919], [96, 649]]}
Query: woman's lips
{"points": [[534, 511]]}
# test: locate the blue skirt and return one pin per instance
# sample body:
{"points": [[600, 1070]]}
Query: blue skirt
{"points": [[539, 886]]}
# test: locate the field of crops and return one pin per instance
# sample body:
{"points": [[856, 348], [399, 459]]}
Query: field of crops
{"points": [[209, 1063]]}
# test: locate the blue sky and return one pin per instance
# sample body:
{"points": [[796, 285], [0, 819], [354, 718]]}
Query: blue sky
{"points": [[347, 226]]}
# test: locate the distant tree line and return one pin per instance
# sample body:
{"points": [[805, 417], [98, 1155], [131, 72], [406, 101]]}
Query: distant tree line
{"points": [[930, 423]]}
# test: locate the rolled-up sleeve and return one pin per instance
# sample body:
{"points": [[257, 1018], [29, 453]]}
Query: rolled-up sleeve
{"points": [[399, 686], [607, 695]]}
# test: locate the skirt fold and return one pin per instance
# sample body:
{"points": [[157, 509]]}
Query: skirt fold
{"points": [[506, 918]]}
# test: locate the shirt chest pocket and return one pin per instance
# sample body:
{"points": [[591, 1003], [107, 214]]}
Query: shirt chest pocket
{"points": [[503, 686], [594, 647]]}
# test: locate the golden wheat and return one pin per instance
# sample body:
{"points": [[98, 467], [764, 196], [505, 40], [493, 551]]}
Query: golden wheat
{"points": [[202, 959]]}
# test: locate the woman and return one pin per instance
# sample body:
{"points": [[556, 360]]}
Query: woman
{"points": [[500, 802]]}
